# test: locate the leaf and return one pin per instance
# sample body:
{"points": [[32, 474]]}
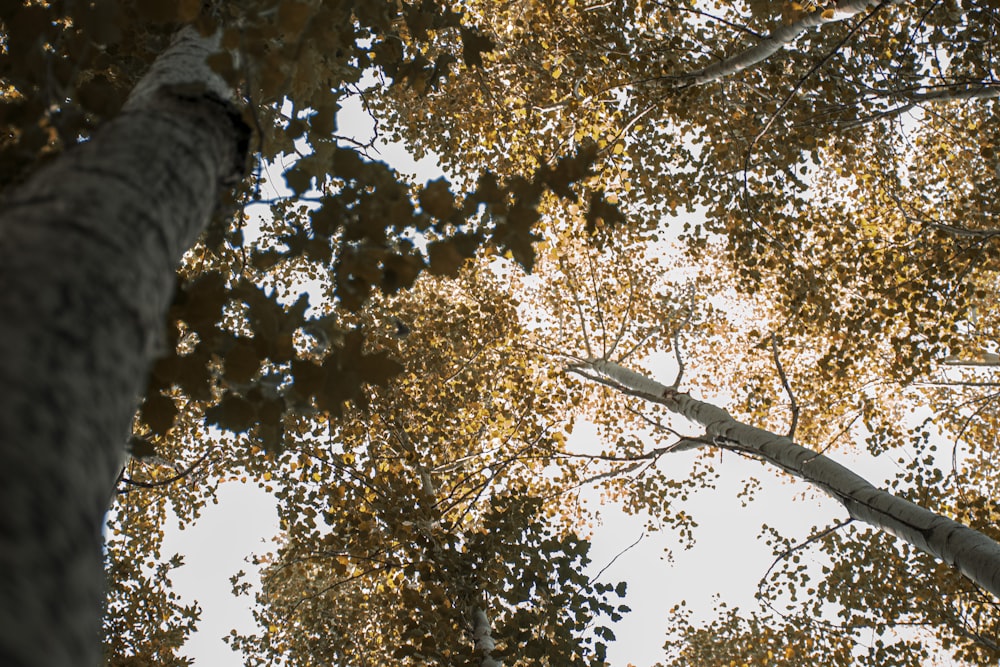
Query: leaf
{"points": [[444, 258], [377, 369], [200, 304], [602, 212], [474, 44], [242, 362], [100, 95], [188, 10], [437, 200], [160, 11], [233, 413], [141, 448], [293, 16], [400, 272], [159, 412], [298, 178]]}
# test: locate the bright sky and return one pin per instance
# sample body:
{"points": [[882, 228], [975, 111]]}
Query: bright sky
{"points": [[728, 559]]}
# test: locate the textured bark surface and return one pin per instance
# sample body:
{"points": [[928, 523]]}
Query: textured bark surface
{"points": [[88, 250], [777, 40], [974, 554]]}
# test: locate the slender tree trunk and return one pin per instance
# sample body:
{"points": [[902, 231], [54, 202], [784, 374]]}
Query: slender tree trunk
{"points": [[88, 250], [959, 92], [975, 555], [775, 41], [980, 358], [482, 634], [482, 631]]}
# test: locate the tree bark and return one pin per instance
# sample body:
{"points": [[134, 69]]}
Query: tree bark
{"points": [[88, 251], [775, 41], [974, 554]]}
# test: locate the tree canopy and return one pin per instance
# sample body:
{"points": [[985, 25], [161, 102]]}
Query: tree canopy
{"points": [[795, 201]]}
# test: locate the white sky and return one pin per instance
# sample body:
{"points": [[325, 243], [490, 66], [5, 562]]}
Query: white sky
{"points": [[728, 558]]}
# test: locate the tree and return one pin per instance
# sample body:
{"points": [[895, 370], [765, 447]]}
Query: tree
{"points": [[794, 162], [797, 161], [87, 277], [91, 239], [907, 589], [406, 522]]}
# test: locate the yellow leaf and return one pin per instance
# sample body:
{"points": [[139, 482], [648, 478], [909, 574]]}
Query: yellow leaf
{"points": [[316, 477], [827, 14], [267, 477]]}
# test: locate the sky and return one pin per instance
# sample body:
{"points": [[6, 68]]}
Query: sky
{"points": [[729, 558]]}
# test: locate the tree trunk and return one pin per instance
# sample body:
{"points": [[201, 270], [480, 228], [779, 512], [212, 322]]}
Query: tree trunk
{"points": [[975, 555], [88, 251], [775, 41]]}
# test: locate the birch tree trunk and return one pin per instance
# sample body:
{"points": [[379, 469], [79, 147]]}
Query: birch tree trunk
{"points": [[975, 555], [775, 41], [88, 250]]}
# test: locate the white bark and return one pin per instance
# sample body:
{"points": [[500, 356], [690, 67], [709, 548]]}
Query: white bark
{"points": [[88, 249], [482, 631], [774, 42], [981, 358], [482, 634], [975, 555], [984, 91]]}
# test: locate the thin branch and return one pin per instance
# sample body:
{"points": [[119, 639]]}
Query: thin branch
{"points": [[793, 405], [627, 316], [713, 17], [642, 340], [469, 361], [777, 40], [812, 70], [677, 338], [798, 547], [598, 304], [166, 482], [579, 307], [617, 556]]}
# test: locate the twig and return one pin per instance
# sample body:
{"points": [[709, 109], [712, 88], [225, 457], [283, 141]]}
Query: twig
{"points": [[627, 316], [798, 547], [617, 556], [597, 302], [579, 308], [677, 338], [152, 485], [793, 405]]}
